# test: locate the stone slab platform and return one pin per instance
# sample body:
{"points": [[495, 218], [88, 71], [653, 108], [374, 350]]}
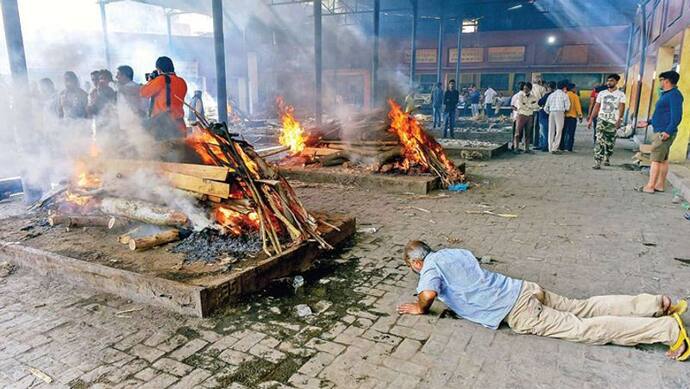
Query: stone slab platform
{"points": [[189, 297], [364, 180], [475, 153]]}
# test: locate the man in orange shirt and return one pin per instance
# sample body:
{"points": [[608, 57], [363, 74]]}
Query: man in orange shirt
{"points": [[167, 92], [571, 117]]}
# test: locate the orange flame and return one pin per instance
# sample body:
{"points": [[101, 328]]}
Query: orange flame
{"points": [[292, 134], [85, 178], [236, 221], [77, 199], [418, 146], [200, 140]]}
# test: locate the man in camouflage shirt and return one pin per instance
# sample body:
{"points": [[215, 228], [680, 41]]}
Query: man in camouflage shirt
{"points": [[609, 109]]}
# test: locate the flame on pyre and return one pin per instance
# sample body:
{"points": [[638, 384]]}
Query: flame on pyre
{"points": [[418, 147], [291, 134], [236, 221]]}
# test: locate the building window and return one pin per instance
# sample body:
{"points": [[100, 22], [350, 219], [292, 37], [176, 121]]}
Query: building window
{"points": [[497, 81], [470, 25]]}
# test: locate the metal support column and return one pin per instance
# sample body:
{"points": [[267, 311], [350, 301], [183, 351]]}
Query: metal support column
{"points": [[168, 25], [15, 44], [219, 48], [104, 26], [375, 56], [640, 75], [628, 60], [318, 62], [413, 43], [458, 63], [439, 50]]}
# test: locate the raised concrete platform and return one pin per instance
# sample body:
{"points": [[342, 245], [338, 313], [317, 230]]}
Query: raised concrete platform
{"points": [[190, 296], [365, 180], [679, 177], [475, 153]]}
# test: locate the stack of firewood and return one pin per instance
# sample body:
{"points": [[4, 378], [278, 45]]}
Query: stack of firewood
{"points": [[374, 142], [238, 180]]}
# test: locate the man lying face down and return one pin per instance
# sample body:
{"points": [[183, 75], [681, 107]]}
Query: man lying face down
{"points": [[488, 298]]}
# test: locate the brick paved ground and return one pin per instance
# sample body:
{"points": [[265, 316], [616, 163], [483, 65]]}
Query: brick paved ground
{"points": [[579, 232]]}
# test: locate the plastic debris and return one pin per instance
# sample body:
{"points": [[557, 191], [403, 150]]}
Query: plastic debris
{"points": [[43, 376], [303, 310], [298, 282], [462, 187]]}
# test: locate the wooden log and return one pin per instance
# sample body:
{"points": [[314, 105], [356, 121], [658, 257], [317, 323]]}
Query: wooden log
{"points": [[374, 143], [157, 239], [82, 221], [194, 195], [128, 166], [318, 151], [381, 158], [143, 211], [269, 151], [334, 159], [198, 185]]}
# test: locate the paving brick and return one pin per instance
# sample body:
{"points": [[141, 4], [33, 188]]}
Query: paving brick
{"points": [[267, 353], [193, 379], [222, 344], [145, 352], [316, 363], [172, 343], [406, 349], [326, 346], [147, 374], [411, 333], [188, 349], [235, 357], [162, 380], [247, 340], [172, 366]]}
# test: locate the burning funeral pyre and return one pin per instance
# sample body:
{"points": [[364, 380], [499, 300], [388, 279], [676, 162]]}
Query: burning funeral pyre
{"points": [[395, 143], [234, 196]]}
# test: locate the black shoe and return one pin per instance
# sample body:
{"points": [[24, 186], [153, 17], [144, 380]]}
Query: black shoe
{"points": [[597, 165]]}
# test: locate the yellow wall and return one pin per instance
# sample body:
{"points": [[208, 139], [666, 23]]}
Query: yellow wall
{"points": [[646, 96], [664, 62], [679, 149]]}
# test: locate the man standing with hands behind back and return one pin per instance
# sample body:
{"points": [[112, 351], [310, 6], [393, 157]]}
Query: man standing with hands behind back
{"points": [[609, 111], [667, 116]]}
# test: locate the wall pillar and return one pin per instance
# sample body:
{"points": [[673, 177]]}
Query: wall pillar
{"points": [[679, 149]]}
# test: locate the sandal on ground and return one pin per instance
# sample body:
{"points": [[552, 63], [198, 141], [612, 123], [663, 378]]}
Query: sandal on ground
{"points": [[682, 338], [680, 307], [641, 190], [660, 191]]}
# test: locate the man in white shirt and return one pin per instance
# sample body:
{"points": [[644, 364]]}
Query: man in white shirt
{"points": [[489, 96], [513, 106], [556, 105], [609, 109], [526, 104]]}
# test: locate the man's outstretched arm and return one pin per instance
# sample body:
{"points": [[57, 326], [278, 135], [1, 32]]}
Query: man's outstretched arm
{"points": [[421, 307]]}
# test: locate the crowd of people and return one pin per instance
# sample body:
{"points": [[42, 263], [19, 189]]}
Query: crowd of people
{"points": [[546, 114], [117, 103]]}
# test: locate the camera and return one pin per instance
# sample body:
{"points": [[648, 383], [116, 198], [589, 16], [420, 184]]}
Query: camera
{"points": [[152, 75]]}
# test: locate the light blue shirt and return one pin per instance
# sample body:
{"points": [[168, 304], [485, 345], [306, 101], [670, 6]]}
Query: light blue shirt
{"points": [[473, 293]]}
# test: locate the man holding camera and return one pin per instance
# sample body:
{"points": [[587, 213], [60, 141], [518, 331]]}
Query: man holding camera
{"points": [[167, 92]]}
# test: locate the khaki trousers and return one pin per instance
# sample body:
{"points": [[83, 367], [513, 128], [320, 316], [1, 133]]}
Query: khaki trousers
{"points": [[622, 320], [556, 122]]}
